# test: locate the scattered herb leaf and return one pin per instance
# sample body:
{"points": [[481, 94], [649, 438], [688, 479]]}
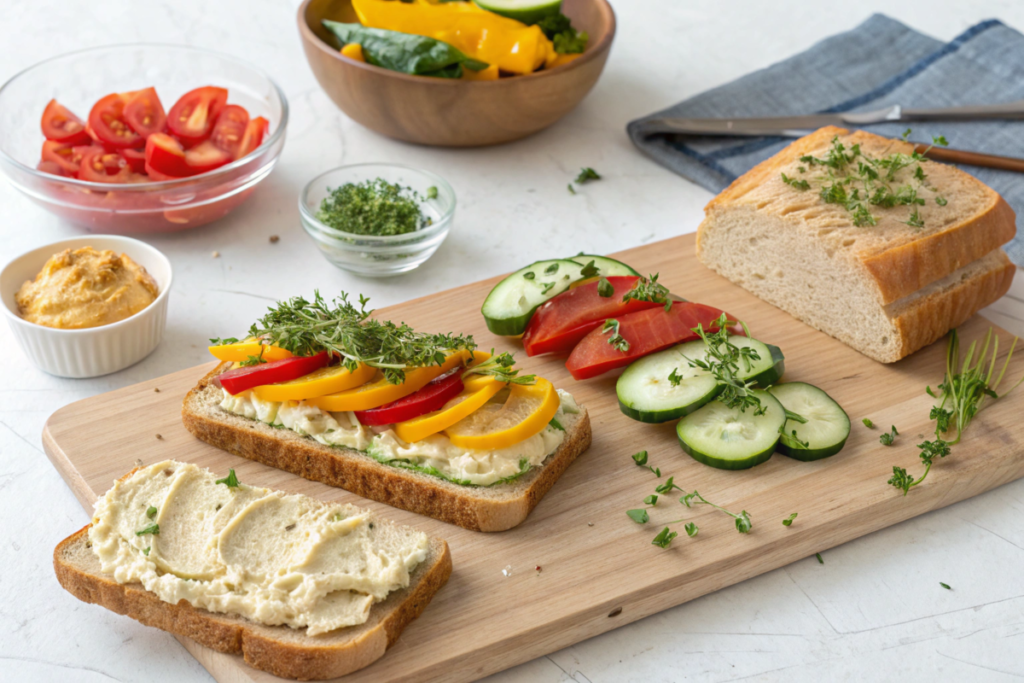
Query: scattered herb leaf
{"points": [[231, 481], [788, 521]]}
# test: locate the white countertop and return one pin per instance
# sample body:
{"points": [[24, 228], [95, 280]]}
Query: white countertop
{"points": [[873, 611]]}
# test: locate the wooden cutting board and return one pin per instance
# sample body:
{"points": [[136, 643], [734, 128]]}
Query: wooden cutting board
{"points": [[578, 566]]}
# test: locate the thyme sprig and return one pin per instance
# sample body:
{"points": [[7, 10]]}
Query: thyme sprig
{"points": [[648, 289], [742, 520], [615, 338], [347, 331], [723, 360], [501, 367]]}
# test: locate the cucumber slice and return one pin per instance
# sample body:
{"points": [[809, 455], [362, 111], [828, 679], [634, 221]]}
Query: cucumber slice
{"points": [[769, 376], [510, 305], [729, 439], [827, 426], [646, 393], [526, 11], [608, 266]]}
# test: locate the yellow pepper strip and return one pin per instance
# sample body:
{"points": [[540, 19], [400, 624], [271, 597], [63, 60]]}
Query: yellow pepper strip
{"points": [[527, 412], [380, 391], [559, 60], [250, 347], [488, 74], [329, 380], [353, 51], [511, 45], [462, 406]]}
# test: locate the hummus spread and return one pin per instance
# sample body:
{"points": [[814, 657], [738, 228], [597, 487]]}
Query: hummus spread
{"points": [[86, 288], [272, 558]]}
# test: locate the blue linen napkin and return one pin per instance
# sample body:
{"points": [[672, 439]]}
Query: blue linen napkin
{"points": [[879, 63]]}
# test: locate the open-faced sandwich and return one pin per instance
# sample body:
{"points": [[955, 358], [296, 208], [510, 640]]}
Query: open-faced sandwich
{"points": [[301, 588], [423, 422]]}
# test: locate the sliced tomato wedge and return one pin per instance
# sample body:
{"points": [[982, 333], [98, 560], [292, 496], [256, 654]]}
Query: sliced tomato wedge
{"points": [[240, 379], [205, 157], [166, 157], [645, 331], [65, 155], [136, 158], [60, 125], [230, 129], [100, 166], [559, 324], [144, 112], [193, 115], [428, 399], [108, 123], [253, 138]]}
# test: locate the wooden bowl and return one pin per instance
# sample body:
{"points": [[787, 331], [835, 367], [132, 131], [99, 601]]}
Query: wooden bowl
{"points": [[454, 113]]}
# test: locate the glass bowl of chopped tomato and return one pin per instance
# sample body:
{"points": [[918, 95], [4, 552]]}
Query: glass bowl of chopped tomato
{"points": [[116, 200], [377, 219]]}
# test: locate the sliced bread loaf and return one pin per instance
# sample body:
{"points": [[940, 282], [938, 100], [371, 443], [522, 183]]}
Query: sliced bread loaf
{"points": [[886, 289]]}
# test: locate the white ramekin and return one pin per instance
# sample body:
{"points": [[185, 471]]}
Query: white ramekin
{"points": [[96, 350]]}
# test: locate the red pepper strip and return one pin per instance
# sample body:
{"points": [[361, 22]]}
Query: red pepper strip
{"points": [[428, 399], [238, 380]]}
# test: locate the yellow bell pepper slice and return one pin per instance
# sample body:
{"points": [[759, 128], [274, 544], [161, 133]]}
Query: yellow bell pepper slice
{"points": [[250, 347], [472, 398], [329, 380], [379, 392], [488, 74], [353, 51], [527, 412]]}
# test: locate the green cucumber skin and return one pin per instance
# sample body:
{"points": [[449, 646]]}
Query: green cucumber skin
{"points": [[721, 464], [773, 374], [809, 454], [527, 15], [515, 326], [659, 416], [622, 268]]}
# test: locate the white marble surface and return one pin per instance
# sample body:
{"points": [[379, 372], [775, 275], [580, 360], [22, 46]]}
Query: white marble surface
{"points": [[873, 611]]}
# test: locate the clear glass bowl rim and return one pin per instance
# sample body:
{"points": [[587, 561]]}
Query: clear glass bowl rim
{"points": [[442, 223], [161, 184]]}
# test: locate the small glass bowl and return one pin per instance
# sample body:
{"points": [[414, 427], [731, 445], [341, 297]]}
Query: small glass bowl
{"points": [[80, 78], [371, 255]]}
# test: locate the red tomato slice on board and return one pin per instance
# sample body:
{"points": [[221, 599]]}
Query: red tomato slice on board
{"points": [[65, 155], [108, 124], [166, 156], [193, 115], [238, 380], [559, 324], [253, 138], [230, 129], [136, 158], [646, 331], [60, 125], [206, 156], [428, 399], [144, 112], [100, 166]]}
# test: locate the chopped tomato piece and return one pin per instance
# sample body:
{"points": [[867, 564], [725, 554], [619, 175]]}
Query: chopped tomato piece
{"points": [[645, 332], [230, 129], [166, 157], [107, 122], [100, 166], [136, 158], [193, 115], [60, 125], [205, 156], [428, 399], [144, 112], [240, 379], [559, 324], [253, 138], [65, 155]]}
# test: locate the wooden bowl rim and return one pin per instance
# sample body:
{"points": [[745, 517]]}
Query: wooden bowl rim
{"points": [[588, 55]]}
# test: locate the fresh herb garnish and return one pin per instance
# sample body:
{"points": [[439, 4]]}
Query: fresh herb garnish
{"points": [[868, 423], [231, 481], [945, 585], [648, 289], [742, 520], [432, 192], [668, 486], [151, 512], [664, 538], [651, 500], [788, 521], [500, 367], [797, 184], [529, 275], [723, 363], [639, 515], [551, 269], [691, 529], [153, 529], [567, 40], [640, 460], [888, 438], [589, 270], [572, 190], [306, 328], [586, 175], [145, 551], [372, 207], [605, 288], [254, 360], [674, 378], [615, 339], [820, 559]]}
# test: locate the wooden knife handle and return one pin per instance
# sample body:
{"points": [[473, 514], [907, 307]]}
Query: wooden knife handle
{"points": [[957, 156]]}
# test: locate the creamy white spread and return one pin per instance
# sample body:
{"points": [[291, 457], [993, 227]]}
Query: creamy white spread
{"points": [[479, 467], [272, 558]]}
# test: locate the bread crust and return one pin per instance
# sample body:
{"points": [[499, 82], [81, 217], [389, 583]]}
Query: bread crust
{"points": [[353, 471], [262, 647], [903, 269]]}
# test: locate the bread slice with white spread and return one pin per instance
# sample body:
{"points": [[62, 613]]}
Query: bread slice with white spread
{"points": [[299, 443], [300, 588], [888, 269]]}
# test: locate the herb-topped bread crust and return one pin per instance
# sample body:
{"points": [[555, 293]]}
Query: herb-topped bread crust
{"points": [[495, 508], [885, 289]]}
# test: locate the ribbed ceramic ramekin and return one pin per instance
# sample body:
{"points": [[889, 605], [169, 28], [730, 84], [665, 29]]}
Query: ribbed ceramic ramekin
{"points": [[97, 350]]}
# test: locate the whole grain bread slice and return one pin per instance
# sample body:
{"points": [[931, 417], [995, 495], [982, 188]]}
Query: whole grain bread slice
{"points": [[886, 290], [494, 508], [280, 650]]}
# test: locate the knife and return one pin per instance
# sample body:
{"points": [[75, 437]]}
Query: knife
{"points": [[798, 126]]}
